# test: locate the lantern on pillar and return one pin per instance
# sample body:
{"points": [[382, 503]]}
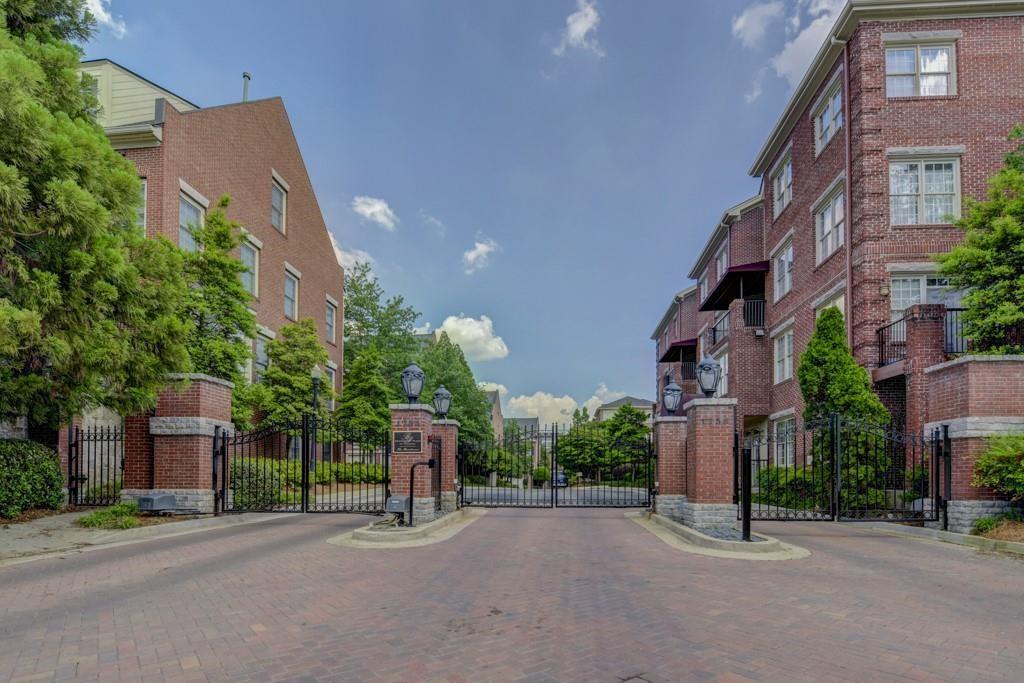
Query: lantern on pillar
{"points": [[709, 373]]}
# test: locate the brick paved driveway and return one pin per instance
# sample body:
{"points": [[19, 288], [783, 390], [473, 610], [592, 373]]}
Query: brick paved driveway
{"points": [[539, 595]]}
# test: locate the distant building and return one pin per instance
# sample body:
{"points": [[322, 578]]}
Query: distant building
{"points": [[497, 422], [606, 411], [527, 425]]}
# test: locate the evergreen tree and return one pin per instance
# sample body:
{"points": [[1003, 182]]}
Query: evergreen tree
{"points": [[286, 392], [990, 262], [581, 416], [90, 310], [364, 400], [444, 363], [830, 379], [218, 306]]}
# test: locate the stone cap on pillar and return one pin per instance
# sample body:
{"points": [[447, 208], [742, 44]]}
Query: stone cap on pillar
{"points": [[447, 421], [669, 418], [412, 406], [697, 402], [196, 376]]}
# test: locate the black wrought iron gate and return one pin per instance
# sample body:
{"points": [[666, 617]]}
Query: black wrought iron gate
{"points": [[572, 466], [310, 464], [840, 469], [95, 465]]}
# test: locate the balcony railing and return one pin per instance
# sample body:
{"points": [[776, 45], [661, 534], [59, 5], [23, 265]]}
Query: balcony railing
{"points": [[720, 331], [688, 370], [753, 313], [892, 342], [954, 341]]}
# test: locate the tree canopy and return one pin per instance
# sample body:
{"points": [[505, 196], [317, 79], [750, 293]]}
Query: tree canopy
{"points": [[990, 262], [287, 386], [90, 310], [364, 401], [444, 363]]}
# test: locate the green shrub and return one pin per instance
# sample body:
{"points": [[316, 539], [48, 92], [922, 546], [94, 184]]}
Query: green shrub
{"points": [[120, 516], [1001, 466], [30, 477], [541, 475], [983, 525], [917, 484], [793, 488], [1013, 515], [255, 484]]}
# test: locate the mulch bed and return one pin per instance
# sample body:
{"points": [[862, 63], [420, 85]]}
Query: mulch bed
{"points": [[1007, 530], [30, 515]]}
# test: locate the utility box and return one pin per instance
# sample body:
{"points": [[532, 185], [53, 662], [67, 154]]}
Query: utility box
{"points": [[158, 502], [397, 504]]}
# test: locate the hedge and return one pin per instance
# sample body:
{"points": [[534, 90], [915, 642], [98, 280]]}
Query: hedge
{"points": [[30, 477]]}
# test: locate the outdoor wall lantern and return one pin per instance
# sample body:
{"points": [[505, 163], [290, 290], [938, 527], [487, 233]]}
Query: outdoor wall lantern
{"points": [[671, 396], [412, 382], [316, 373], [442, 401], [709, 372]]}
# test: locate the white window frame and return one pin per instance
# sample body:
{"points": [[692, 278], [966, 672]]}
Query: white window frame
{"points": [[782, 356], [918, 72], [829, 238], [183, 197], [921, 194], [332, 382], [331, 323], [837, 300], [784, 431], [143, 214], [782, 268], [782, 183], [257, 373], [722, 261], [289, 275], [723, 383], [702, 288], [275, 184], [251, 244], [828, 117]]}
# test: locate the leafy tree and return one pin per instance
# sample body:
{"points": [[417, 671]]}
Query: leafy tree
{"points": [[990, 262], [286, 392], [364, 400], [384, 324], [581, 416], [583, 447], [90, 310], [444, 363], [627, 432], [830, 379], [218, 306]]}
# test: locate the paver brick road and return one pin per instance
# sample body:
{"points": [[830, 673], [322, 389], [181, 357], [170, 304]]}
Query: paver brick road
{"points": [[531, 595]]}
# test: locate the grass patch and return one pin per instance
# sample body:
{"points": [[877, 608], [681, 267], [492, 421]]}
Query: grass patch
{"points": [[120, 516]]}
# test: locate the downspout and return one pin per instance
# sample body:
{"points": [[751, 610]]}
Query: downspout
{"points": [[848, 237]]}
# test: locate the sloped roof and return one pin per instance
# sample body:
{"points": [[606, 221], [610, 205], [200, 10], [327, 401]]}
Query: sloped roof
{"points": [[627, 400]]}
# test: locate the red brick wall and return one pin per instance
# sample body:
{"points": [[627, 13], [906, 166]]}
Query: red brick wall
{"points": [[893, 394], [670, 442], [199, 397], [408, 421], [138, 452], [746, 237], [709, 445], [449, 436], [183, 462], [925, 348]]}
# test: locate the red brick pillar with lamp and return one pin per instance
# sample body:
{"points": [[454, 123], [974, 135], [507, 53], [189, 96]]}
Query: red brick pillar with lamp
{"points": [[447, 431], [411, 430], [710, 430], [670, 478]]}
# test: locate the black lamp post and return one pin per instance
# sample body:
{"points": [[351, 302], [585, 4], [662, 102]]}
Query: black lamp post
{"points": [[412, 382], [316, 373], [671, 396], [709, 372], [442, 401]]}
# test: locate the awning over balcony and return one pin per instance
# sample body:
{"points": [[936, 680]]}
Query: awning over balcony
{"points": [[740, 282], [680, 352]]}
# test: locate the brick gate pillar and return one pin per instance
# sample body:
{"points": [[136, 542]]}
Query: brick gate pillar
{"points": [[710, 429], [182, 429], [448, 432], [670, 478], [925, 348], [411, 427]]}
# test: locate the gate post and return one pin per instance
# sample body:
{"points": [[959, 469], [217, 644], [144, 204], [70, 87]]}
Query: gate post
{"points": [[710, 437], [670, 477], [411, 427], [447, 431]]}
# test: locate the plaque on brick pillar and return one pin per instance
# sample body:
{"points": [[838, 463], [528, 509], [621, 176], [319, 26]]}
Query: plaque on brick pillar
{"points": [[411, 425]]}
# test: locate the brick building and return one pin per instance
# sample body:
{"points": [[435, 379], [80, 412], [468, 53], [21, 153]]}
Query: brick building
{"points": [[188, 157], [903, 114]]}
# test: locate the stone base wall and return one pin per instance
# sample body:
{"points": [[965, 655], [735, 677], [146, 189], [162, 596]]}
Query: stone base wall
{"points": [[449, 502], [963, 513], [707, 515], [185, 500], [14, 429], [423, 510], [670, 506]]}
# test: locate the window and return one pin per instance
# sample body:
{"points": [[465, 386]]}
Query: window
{"points": [[330, 318], [838, 301], [723, 383], [907, 290], [332, 385], [783, 265], [785, 442], [140, 212], [261, 361], [830, 223], [782, 185], [924, 192], [250, 257], [278, 206], [722, 261], [190, 217], [784, 356], [703, 287], [919, 71], [829, 118], [291, 296]]}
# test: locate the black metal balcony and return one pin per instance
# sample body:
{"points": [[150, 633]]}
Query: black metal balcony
{"points": [[753, 313]]}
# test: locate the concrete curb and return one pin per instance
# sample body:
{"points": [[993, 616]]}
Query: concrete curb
{"points": [[426, 534], [978, 542], [683, 538]]}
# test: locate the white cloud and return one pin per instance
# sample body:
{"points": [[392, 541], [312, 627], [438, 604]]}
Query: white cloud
{"points": [[601, 396], [376, 211], [436, 223], [792, 62], [422, 329], [494, 386], [100, 10], [479, 256], [348, 258], [553, 409], [751, 26], [475, 336], [756, 87], [579, 27]]}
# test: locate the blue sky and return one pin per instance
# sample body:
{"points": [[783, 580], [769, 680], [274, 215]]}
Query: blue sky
{"points": [[536, 177]]}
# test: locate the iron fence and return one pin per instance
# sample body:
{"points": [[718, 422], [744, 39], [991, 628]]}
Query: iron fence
{"points": [[892, 342], [95, 465], [719, 331], [753, 313]]}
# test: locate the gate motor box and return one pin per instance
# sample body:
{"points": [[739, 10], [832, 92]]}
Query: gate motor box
{"points": [[158, 502], [397, 504]]}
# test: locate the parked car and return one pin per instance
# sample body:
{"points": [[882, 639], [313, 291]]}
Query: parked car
{"points": [[560, 480]]}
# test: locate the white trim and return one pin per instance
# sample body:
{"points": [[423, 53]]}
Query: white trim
{"points": [[823, 97], [252, 239], [194, 194], [920, 160], [697, 402], [1018, 358], [781, 414], [145, 201], [832, 293], [915, 267], [780, 244], [331, 300], [293, 270], [332, 365], [265, 331], [786, 152], [658, 419], [258, 251], [921, 37], [835, 85], [781, 327], [924, 152], [978, 426], [279, 180], [832, 189]]}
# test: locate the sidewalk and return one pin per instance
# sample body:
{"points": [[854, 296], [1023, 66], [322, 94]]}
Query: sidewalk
{"points": [[59, 533]]}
